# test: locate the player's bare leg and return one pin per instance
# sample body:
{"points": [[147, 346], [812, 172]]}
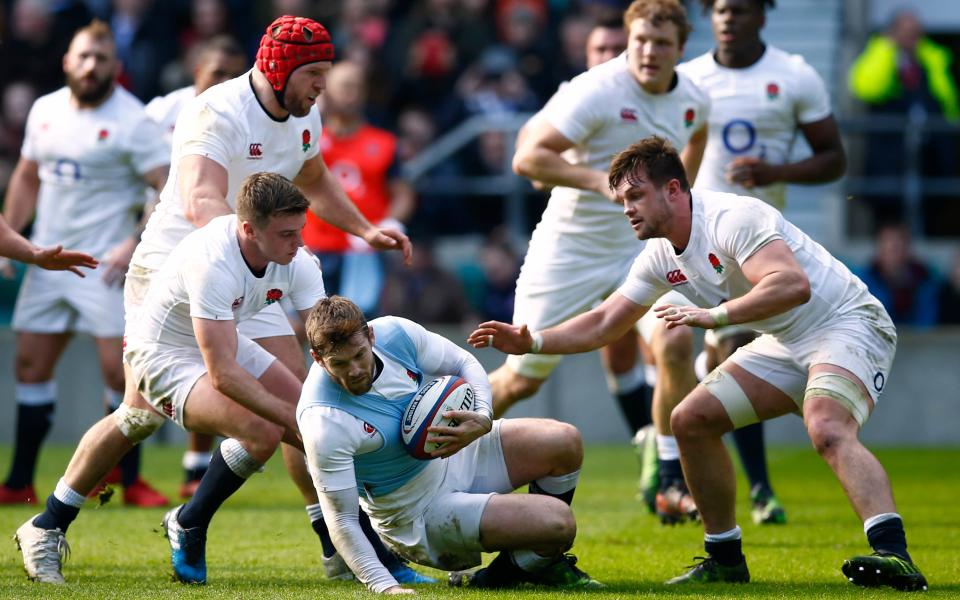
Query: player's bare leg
{"points": [[35, 393], [136, 491], [673, 356], [509, 387], [533, 530]]}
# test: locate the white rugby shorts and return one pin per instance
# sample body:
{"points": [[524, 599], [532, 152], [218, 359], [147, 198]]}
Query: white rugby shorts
{"points": [[60, 302], [557, 288], [862, 341], [166, 374], [447, 534]]}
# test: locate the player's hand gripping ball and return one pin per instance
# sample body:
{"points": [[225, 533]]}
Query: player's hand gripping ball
{"points": [[426, 409]]}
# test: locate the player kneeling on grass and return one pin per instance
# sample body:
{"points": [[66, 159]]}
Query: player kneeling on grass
{"points": [[445, 512], [825, 350]]}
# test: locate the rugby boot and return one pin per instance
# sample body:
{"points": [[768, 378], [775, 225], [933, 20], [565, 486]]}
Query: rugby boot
{"points": [[645, 445], [403, 573], [675, 504], [142, 494], [708, 570], [335, 568], [501, 573], [765, 508], [26, 495], [564, 574], [884, 568], [187, 549], [44, 552]]}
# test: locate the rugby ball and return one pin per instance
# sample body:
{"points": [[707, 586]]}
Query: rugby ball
{"points": [[426, 409]]}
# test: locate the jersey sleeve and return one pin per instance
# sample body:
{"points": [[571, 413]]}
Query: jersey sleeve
{"points": [[813, 101], [438, 355], [211, 291], [642, 285], [146, 146], [331, 438], [202, 130], [306, 289], [575, 110], [330, 459], [741, 231], [27, 150]]}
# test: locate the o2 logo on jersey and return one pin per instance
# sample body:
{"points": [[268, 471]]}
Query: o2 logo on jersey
{"points": [[878, 381], [66, 170], [256, 151], [739, 136]]}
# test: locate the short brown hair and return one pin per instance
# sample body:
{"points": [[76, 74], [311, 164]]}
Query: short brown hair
{"points": [[96, 29], [655, 157], [659, 12], [264, 195], [332, 322]]}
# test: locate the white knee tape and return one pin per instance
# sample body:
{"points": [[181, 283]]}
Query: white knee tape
{"points": [[238, 459], [726, 389], [136, 424], [842, 391]]}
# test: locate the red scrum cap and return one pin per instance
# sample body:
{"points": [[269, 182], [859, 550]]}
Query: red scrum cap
{"points": [[289, 43]]}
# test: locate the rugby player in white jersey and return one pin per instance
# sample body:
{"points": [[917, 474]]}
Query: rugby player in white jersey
{"points": [[761, 97], [581, 249], [825, 349], [265, 120], [193, 366], [88, 154], [217, 60], [443, 512]]}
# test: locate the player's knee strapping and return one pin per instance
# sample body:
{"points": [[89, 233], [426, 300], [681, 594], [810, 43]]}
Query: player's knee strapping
{"points": [[238, 459], [725, 388], [842, 391], [136, 424]]}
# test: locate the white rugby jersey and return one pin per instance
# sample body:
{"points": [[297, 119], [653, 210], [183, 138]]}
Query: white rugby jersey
{"points": [[756, 111], [91, 165], [206, 277], [165, 109], [226, 124], [725, 232], [602, 111]]}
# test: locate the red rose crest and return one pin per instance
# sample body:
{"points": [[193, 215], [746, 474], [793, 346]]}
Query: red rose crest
{"points": [[306, 139], [274, 295], [715, 263], [688, 117], [102, 135], [773, 91]]}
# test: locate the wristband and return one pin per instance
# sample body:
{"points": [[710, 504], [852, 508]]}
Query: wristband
{"points": [[537, 343], [719, 315]]}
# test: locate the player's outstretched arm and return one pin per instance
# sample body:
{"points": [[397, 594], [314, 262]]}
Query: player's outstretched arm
{"points": [[591, 330], [15, 246], [329, 202], [218, 345]]}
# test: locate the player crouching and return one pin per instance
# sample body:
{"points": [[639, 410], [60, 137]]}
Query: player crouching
{"points": [[441, 513]]}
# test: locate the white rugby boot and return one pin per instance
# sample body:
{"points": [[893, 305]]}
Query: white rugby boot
{"points": [[44, 551]]}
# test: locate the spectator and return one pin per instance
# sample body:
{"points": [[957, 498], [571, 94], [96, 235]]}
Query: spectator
{"points": [[903, 72], [949, 297], [501, 266], [143, 30], [18, 97], [425, 292], [364, 159], [904, 284]]}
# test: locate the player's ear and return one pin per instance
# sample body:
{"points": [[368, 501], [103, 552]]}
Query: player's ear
{"points": [[315, 356], [370, 335]]}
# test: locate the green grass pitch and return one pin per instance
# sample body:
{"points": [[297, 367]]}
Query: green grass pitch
{"points": [[261, 545]]}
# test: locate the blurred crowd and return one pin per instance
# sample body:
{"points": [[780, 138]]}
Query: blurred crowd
{"points": [[428, 65]]}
